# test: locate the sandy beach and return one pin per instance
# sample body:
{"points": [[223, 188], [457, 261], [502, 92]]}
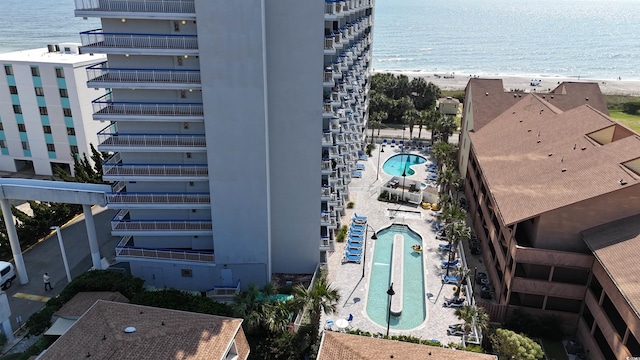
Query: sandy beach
{"points": [[545, 84]]}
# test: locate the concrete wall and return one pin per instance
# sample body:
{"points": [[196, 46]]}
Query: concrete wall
{"points": [[233, 63], [295, 69]]}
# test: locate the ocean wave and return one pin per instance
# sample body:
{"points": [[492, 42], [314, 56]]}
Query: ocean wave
{"points": [[394, 59]]}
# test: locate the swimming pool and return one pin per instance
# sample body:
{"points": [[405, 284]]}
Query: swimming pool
{"points": [[414, 302], [397, 163]]}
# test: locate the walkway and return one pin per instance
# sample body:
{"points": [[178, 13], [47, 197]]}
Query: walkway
{"points": [[347, 277]]}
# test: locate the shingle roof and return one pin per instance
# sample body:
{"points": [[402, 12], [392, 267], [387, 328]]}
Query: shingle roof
{"points": [[616, 245], [80, 303], [160, 334], [536, 158], [338, 346]]}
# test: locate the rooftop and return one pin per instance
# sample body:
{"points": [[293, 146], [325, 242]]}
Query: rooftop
{"points": [[159, 334], [616, 245], [536, 157], [43, 55], [339, 346]]}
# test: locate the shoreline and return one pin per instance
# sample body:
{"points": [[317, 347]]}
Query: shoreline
{"points": [[521, 82]]}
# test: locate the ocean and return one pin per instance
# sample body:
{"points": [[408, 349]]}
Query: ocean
{"points": [[597, 39]]}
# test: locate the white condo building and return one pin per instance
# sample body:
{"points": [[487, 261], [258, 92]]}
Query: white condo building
{"points": [[234, 127], [45, 108]]}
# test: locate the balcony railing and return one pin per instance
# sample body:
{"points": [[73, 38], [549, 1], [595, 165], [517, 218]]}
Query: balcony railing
{"points": [[110, 137], [99, 39], [113, 167], [160, 225], [124, 250], [158, 198], [100, 73], [154, 6], [102, 106]]}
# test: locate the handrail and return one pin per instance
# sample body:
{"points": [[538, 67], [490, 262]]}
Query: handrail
{"points": [[108, 107], [98, 38], [158, 198], [102, 73], [160, 140], [122, 249], [159, 6]]}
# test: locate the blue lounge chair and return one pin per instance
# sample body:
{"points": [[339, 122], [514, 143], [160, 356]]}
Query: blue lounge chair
{"points": [[359, 166], [356, 174], [364, 157], [357, 227], [438, 226], [393, 143], [354, 245], [359, 218], [354, 252], [401, 143], [450, 264], [450, 279], [351, 258], [356, 239], [445, 246], [384, 142], [356, 234]]}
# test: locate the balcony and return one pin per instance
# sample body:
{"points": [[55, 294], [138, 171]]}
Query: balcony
{"points": [[120, 226], [101, 76], [105, 109], [148, 200], [326, 244], [112, 141], [124, 250], [329, 46], [114, 170], [138, 44], [327, 220], [137, 9], [327, 139]]}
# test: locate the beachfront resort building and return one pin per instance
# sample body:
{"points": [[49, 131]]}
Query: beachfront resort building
{"points": [[45, 109], [553, 186], [234, 129]]}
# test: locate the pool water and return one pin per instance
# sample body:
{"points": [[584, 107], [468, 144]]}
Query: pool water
{"points": [[414, 302], [396, 164]]}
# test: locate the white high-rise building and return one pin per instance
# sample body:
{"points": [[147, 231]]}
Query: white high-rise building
{"points": [[235, 127], [45, 109]]}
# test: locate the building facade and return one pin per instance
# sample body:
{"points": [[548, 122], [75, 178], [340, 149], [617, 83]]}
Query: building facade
{"points": [[45, 109], [227, 164], [541, 170]]}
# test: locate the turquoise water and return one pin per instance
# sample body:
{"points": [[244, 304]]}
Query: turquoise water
{"points": [[414, 308], [394, 165]]}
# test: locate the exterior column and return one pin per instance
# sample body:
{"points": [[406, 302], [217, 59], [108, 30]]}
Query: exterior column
{"points": [[13, 240], [93, 238], [5, 317]]}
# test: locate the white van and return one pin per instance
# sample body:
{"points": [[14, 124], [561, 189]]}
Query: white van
{"points": [[7, 274]]}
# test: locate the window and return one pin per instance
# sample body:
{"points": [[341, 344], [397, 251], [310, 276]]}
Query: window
{"points": [[13, 89], [186, 272], [17, 109], [25, 145], [43, 110], [22, 128], [60, 72], [51, 147], [71, 131], [66, 112], [1, 126], [46, 129], [35, 71], [63, 93], [3, 144], [8, 69], [74, 149], [39, 91]]}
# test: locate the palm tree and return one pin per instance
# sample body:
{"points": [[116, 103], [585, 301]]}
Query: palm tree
{"points": [[461, 274], [456, 232], [321, 298], [376, 120], [473, 316], [433, 116], [259, 313], [409, 118], [423, 120], [444, 153], [444, 128]]}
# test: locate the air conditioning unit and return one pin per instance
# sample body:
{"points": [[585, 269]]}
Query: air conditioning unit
{"points": [[69, 48]]}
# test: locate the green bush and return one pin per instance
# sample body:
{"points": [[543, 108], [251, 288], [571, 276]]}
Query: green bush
{"points": [[631, 107], [342, 233], [350, 205], [180, 300]]}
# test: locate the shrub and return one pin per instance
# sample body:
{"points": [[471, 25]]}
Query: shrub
{"points": [[342, 233], [350, 205], [180, 300]]}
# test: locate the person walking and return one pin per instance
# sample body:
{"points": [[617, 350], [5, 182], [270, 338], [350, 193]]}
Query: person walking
{"points": [[47, 282]]}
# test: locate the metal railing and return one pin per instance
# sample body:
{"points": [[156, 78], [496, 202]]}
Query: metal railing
{"points": [[99, 39], [113, 166], [122, 249], [101, 73], [103, 107], [110, 137], [158, 6], [160, 225], [158, 198]]}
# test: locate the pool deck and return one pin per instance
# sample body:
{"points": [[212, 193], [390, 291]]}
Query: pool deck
{"points": [[347, 277]]}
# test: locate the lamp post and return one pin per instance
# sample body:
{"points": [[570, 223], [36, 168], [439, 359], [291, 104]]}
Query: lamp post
{"points": [[364, 247], [404, 177], [379, 156], [402, 149], [64, 253], [473, 283], [390, 292]]}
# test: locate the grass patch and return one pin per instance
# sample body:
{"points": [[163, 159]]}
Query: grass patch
{"points": [[554, 350], [615, 102], [628, 120]]}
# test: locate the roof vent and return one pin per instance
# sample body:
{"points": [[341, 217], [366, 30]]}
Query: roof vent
{"points": [[564, 170], [550, 154], [552, 96], [486, 94], [584, 148], [515, 95], [574, 146], [129, 330], [538, 141], [622, 182], [587, 99], [541, 110], [543, 97], [529, 130]]}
